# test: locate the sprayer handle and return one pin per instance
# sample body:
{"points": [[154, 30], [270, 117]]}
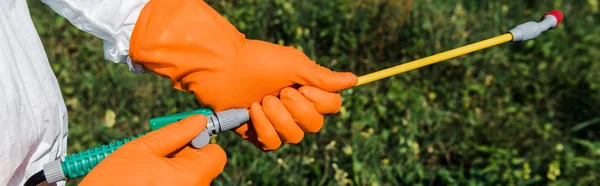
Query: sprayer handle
{"points": [[79, 164]]}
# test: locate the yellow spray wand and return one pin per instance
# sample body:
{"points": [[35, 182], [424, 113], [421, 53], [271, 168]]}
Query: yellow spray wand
{"points": [[433, 59], [523, 32]]}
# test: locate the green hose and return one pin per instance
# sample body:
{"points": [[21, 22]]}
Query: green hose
{"points": [[79, 164]]}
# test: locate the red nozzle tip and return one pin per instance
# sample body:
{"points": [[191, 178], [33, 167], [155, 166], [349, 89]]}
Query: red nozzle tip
{"points": [[557, 14]]}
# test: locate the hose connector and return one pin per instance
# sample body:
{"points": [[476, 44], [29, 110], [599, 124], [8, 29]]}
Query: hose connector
{"points": [[221, 122], [54, 171], [218, 122], [531, 30]]}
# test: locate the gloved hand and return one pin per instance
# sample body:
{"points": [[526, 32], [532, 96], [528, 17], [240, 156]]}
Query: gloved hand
{"points": [[144, 161], [201, 52]]}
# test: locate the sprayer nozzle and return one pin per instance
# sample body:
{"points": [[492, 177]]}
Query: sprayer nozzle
{"points": [[531, 30], [556, 14]]}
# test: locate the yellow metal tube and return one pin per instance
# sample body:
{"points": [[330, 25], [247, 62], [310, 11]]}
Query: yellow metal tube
{"points": [[433, 59]]}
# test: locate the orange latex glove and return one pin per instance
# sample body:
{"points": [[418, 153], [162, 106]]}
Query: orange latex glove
{"points": [[202, 53], [144, 161]]}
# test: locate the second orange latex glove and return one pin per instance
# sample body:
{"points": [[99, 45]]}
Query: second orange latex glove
{"points": [[202, 53], [145, 161]]}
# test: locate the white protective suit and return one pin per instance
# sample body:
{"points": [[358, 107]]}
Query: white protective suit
{"points": [[33, 116]]}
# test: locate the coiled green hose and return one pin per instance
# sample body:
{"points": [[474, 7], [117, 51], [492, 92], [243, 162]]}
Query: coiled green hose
{"points": [[81, 163]]}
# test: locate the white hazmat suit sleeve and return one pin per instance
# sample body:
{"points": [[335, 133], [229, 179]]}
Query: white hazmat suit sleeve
{"points": [[110, 20], [33, 115]]}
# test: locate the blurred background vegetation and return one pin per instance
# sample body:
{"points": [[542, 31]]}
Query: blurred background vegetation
{"points": [[515, 114]]}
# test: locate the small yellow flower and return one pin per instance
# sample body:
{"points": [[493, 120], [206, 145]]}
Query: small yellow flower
{"points": [[280, 162], [526, 171], [385, 161], [553, 170], [368, 133], [348, 150], [432, 95], [307, 161], [330, 146], [109, 118], [559, 147]]}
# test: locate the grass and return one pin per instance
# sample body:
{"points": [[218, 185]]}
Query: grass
{"points": [[515, 114]]}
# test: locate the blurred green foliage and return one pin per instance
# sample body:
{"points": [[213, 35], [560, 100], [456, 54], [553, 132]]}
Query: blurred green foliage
{"points": [[515, 114]]}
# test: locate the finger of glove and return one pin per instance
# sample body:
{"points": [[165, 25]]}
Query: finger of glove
{"points": [[302, 110], [325, 102], [267, 136], [169, 138], [282, 120], [247, 132], [244, 131], [204, 164], [313, 74], [181, 151]]}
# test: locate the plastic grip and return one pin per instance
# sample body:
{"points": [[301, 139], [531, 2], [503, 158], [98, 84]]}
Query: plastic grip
{"points": [[81, 163]]}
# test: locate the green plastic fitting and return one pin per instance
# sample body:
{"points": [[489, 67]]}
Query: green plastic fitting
{"points": [[156, 123]]}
